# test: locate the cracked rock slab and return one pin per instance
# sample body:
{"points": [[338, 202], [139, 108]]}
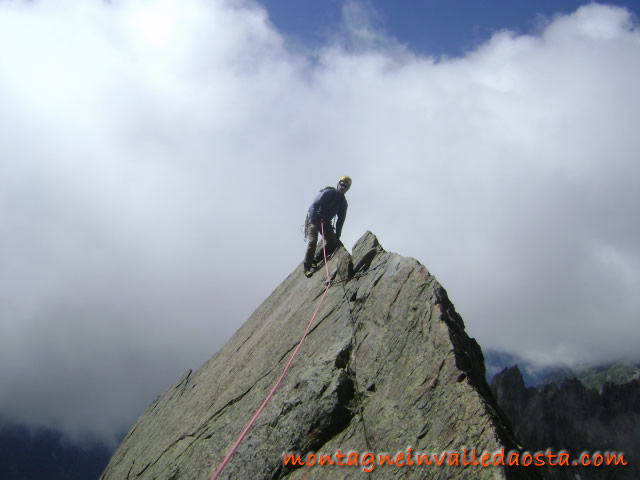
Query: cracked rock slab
{"points": [[387, 366]]}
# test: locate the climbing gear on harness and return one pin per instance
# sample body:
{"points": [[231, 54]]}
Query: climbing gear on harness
{"points": [[306, 228]]}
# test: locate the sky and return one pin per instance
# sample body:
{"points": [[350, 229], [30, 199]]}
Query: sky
{"points": [[157, 159]]}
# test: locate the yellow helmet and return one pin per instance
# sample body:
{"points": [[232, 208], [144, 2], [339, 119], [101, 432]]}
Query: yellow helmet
{"points": [[346, 180]]}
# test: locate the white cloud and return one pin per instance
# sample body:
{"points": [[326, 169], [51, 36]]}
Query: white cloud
{"points": [[158, 158]]}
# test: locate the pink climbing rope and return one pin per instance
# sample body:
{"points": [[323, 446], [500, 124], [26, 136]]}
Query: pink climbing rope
{"points": [[286, 368]]}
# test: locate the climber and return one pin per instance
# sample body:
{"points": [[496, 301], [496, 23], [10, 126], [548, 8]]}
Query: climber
{"points": [[327, 204]]}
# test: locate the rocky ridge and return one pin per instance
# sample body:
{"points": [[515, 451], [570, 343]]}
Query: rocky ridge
{"points": [[387, 367], [575, 418]]}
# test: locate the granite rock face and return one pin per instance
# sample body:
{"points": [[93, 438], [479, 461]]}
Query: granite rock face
{"points": [[387, 367], [575, 418]]}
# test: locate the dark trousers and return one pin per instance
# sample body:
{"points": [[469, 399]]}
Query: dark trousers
{"points": [[312, 241]]}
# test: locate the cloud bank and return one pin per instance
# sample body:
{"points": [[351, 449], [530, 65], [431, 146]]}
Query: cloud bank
{"points": [[158, 159]]}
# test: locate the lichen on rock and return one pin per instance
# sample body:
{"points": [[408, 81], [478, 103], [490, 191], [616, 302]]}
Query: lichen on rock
{"points": [[386, 367]]}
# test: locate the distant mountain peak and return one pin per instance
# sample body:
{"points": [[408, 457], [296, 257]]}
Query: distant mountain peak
{"points": [[569, 415]]}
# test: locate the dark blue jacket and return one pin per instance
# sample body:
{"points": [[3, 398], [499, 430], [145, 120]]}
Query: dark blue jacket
{"points": [[327, 205]]}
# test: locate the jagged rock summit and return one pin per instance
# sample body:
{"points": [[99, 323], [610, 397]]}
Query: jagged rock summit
{"points": [[387, 366]]}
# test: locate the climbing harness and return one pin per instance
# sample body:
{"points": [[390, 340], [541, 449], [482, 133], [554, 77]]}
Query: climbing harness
{"points": [[304, 229], [286, 368]]}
